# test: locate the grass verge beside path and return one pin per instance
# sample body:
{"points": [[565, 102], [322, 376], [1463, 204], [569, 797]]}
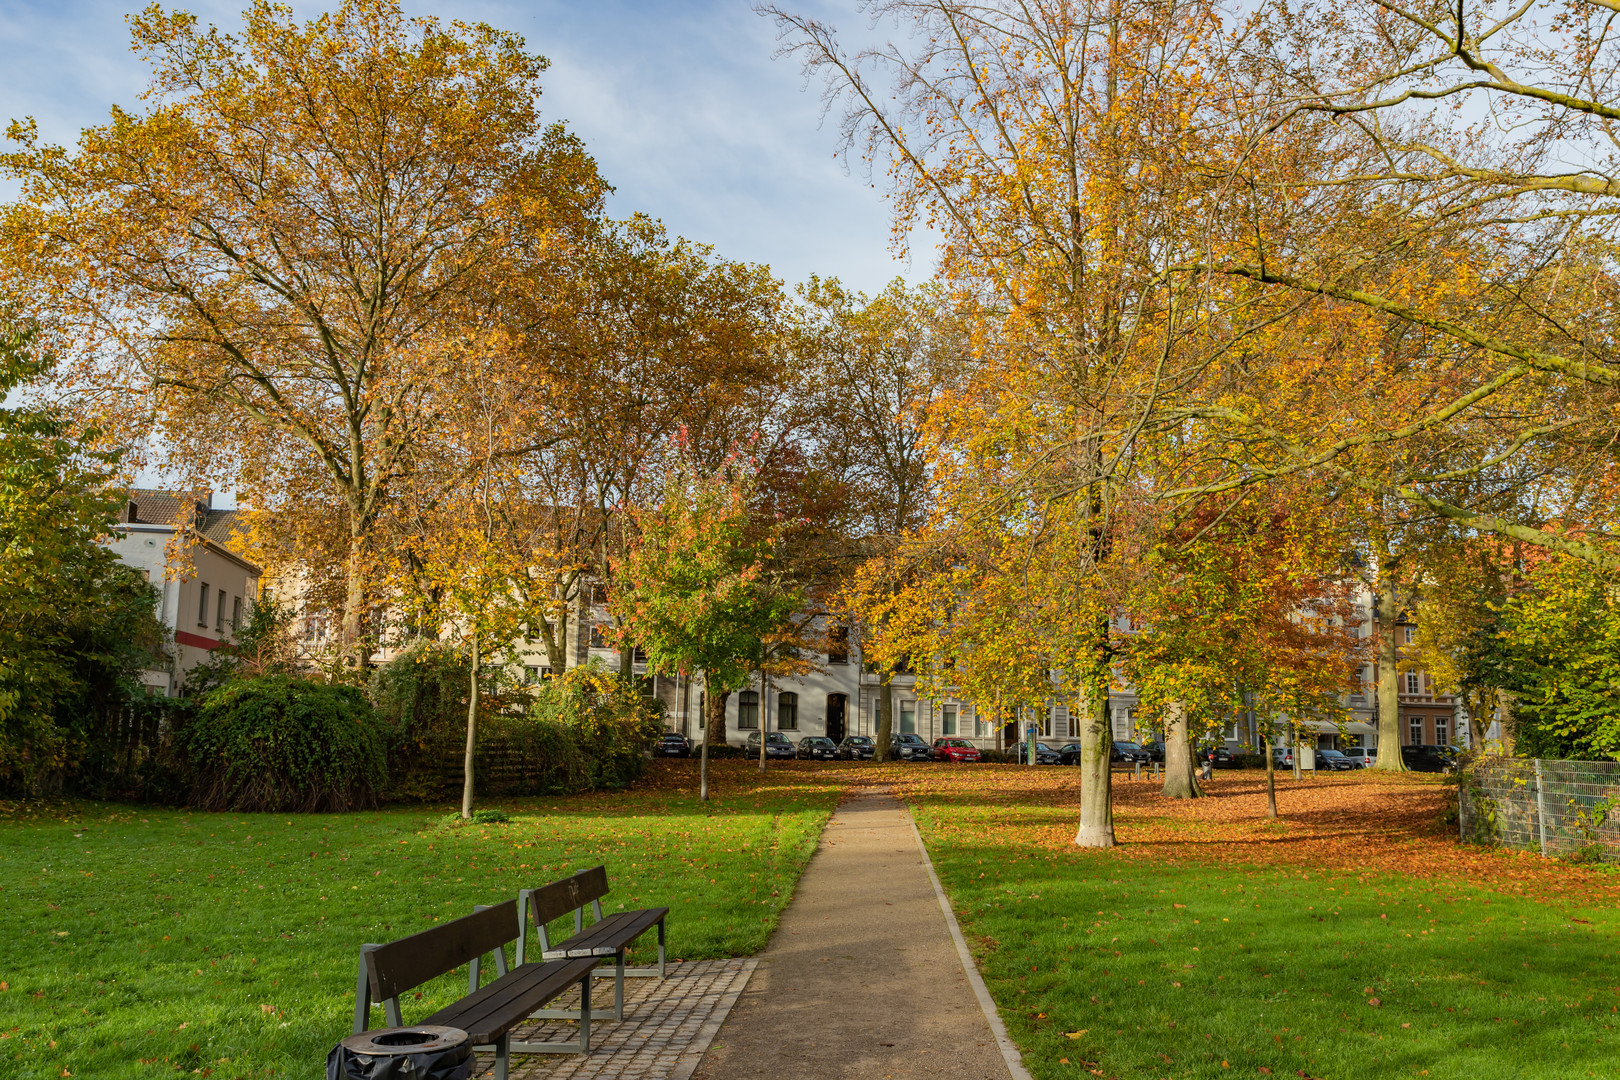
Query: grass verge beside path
{"points": [[1355, 939], [138, 941]]}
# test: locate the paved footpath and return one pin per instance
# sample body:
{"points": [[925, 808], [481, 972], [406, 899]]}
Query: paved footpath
{"points": [[863, 977]]}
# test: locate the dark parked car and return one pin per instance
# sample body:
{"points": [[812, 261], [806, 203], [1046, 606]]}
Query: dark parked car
{"points": [[1223, 757], [1130, 752], [1069, 754], [1333, 761], [1155, 749], [776, 745], [910, 747], [1044, 755], [955, 750], [817, 748], [857, 748], [1429, 758], [672, 744]]}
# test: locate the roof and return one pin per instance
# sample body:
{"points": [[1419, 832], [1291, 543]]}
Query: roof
{"points": [[150, 506]]}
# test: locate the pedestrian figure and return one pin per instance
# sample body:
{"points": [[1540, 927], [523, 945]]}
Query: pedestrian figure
{"points": [[1209, 764]]}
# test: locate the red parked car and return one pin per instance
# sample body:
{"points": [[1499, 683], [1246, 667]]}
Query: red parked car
{"points": [[955, 750]]}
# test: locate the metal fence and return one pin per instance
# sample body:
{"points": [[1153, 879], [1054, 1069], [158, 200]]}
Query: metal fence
{"points": [[1566, 808]]}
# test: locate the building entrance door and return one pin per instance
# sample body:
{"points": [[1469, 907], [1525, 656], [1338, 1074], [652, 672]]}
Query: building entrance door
{"points": [[837, 707]]}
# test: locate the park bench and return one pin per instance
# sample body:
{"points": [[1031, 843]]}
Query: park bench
{"points": [[488, 1013], [607, 937]]}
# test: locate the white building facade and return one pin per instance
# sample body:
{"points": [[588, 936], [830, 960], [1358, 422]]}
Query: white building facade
{"points": [[205, 591]]}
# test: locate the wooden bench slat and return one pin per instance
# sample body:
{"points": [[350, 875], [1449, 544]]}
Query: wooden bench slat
{"points": [[610, 934], [498, 1007], [411, 961]]}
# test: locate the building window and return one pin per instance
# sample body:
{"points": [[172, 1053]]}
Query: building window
{"points": [[638, 655], [236, 615], [1411, 634], [597, 641], [1441, 731], [202, 607], [748, 709], [838, 645], [1412, 682], [981, 730], [219, 618], [1415, 731], [947, 720], [703, 716], [787, 712], [908, 718]]}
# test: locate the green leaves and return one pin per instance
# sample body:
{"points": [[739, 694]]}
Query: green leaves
{"points": [[696, 588], [76, 626]]}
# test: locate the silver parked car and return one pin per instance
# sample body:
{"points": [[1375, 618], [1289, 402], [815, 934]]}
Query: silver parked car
{"points": [[1361, 756]]}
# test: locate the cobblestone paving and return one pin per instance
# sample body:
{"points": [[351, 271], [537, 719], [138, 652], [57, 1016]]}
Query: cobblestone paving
{"points": [[667, 1025]]}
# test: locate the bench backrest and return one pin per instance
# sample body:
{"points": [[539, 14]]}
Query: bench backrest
{"points": [[409, 962], [567, 896]]}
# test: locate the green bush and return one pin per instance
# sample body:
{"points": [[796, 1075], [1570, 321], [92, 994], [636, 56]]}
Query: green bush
{"points": [[998, 757], [281, 744], [421, 698], [718, 751], [591, 728]]}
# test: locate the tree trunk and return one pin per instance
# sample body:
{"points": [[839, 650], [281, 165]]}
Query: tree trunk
{"points": [[1180, 779], [1299, 757], [1096, 778], [715, 706], [1389, 688], [885, 728], [764, 716], [472, 736], [1271, 784], [354, 644], [1507, 701]]}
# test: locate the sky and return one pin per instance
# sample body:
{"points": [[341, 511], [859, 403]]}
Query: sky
{"points": [[687, 112]]}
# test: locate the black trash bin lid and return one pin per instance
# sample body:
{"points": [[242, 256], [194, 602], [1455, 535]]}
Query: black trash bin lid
{"points": [[393, 1042]]}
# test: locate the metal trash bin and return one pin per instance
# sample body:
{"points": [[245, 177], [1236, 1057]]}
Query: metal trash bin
{"points": [[422, 1052]]}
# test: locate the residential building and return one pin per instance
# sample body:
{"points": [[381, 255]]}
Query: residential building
{"points": [[178, 540]]}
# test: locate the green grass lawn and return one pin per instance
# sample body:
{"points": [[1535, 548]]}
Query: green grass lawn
{"points": [[135, 941], [1122, 965]]}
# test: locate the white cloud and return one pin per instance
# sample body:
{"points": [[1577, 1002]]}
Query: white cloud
{"points": [[688, 114]]}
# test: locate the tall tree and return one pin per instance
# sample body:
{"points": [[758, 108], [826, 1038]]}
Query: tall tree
{"points": [[873, 367], [1039, 140], [263, 278]]}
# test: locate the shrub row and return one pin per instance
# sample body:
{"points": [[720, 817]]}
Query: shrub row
{"points": [[283, 742]]}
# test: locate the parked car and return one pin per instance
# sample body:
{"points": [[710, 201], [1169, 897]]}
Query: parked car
{"points": [[1429, 758], [1069, 754], [1361, 756], [776, 745], [955, 750], [1129, 752], [1223, 757], [857, 748], [1155, 749], [1044, 755], [1332, 760], [817, 748], [673, 744], [910, 747], [1282, 757]]}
